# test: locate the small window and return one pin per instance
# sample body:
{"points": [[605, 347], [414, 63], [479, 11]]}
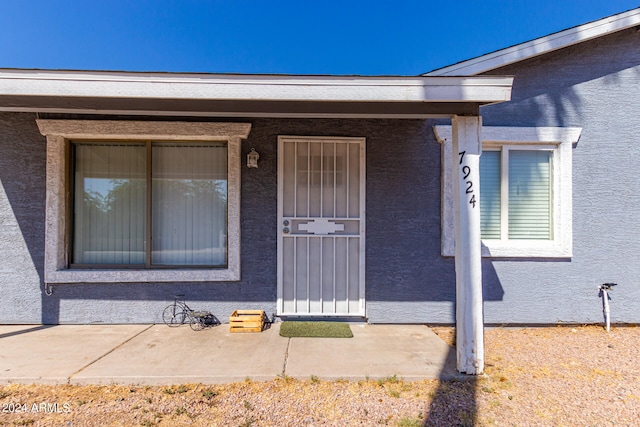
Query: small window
{"points": [[525, 191], [516, 193]]}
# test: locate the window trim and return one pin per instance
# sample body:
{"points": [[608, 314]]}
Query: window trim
{"points": [[60, 132], [562, 141]]}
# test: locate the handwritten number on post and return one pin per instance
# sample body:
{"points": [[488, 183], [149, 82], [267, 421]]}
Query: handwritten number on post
{"points": [[466, 171], [469, 187], [461, 154]]}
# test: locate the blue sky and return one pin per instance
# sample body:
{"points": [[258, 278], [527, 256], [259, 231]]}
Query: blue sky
{"points": [[277, 37]]}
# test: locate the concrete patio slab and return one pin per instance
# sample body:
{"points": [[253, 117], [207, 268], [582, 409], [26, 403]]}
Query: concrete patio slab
{"points": [[160, 355], [163, 355], [411, 352], [52, 354]]}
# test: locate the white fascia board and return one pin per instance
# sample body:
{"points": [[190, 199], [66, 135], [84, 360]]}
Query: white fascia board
{"points": [[254, 88], [542, 45]]}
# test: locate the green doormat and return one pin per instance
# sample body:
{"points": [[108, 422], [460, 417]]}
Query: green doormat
{"points": [[315, 329]]}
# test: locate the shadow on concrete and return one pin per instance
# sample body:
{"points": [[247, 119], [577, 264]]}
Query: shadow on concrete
{"points": [[26, 331], [454, 402]]}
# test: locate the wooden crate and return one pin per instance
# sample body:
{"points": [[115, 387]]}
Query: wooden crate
{"points": [[246, 321]]}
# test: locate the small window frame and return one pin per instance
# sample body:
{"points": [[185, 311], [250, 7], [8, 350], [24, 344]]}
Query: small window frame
{"points": [[505, 150], [60, 133], [561, 141]]}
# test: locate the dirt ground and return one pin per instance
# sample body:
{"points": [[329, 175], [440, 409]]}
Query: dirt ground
{"points": [[552, 376]]}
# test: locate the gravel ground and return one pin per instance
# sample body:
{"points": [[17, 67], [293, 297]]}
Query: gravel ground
{"points": [[560, 376]]}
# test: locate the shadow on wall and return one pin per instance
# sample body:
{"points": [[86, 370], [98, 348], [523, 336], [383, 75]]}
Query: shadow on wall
{"points": [[22, 170], [556, 89], [404, 261]]}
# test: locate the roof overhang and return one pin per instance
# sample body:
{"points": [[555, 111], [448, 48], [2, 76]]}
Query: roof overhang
{"points": [[540, 46], [216, 95]]}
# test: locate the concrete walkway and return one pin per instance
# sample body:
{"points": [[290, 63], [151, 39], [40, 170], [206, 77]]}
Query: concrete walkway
{"points": [[159, 355]]}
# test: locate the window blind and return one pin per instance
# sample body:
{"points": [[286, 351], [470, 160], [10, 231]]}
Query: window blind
{"points": [[189, 204], [530, 209], [109, 204], [490, 200], [187, 213]]}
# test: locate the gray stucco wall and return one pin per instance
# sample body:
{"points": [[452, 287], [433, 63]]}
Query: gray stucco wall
{"points": [[596, 86], [22, 195], [407, 280]]}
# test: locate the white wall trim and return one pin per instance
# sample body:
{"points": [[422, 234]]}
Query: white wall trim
{"points": [[542, 45], [561, 138], [59, 132]]}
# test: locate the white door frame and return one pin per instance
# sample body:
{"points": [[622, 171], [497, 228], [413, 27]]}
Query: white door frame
{"points": [[361, 311]]}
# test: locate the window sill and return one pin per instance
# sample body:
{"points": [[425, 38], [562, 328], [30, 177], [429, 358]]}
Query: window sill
{"points": [[141, 276], [528, 249]]}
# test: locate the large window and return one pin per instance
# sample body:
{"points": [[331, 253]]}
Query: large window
{"points": [[187, 186], [525, 191], [133, 201]]}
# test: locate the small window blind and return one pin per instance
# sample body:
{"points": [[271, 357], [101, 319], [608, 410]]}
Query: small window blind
{"points": [[530, 208], [490, 200]]}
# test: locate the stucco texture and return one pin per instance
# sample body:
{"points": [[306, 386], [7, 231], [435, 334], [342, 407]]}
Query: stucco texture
{"points": [[22, 196], [406, 278], [596, 86]]}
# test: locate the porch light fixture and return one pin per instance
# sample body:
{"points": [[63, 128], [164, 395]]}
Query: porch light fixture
{"points": [[252, 158]]}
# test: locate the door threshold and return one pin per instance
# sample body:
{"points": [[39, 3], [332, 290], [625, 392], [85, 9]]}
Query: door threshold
{"points": [[321, 318]]}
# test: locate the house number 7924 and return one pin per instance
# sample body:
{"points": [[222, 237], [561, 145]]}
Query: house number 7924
{"points": [[466, 171]]}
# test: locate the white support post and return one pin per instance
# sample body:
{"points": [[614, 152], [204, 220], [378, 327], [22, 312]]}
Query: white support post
{"points": [[467, 148]]}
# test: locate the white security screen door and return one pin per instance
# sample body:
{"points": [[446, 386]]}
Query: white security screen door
{"points": [[321, 210]]}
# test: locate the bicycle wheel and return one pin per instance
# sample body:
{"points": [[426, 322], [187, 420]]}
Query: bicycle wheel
{"points": [[173, 316], [196, 323]]}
